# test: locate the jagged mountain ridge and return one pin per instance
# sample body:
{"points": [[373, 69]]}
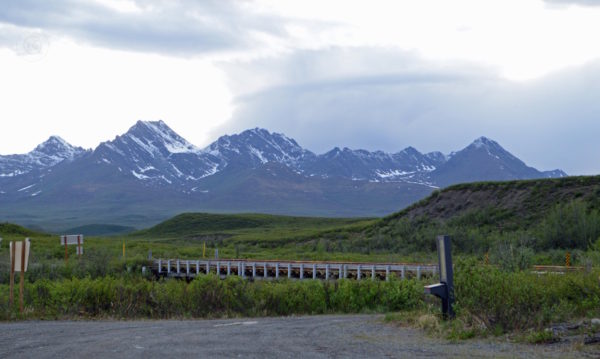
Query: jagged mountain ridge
{"points": [[154, 171], [47, 154]]}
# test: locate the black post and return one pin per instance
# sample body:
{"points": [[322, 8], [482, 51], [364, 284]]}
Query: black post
{"points": [[445, 258], [445, 289]]}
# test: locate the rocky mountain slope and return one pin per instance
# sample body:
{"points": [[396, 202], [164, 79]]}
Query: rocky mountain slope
{"points": [[151, 172]]}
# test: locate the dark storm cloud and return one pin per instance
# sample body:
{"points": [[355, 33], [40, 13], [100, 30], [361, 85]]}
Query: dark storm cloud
{"points": [[172, 27], [389, 100]]}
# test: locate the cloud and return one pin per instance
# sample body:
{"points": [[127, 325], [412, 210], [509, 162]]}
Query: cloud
{"points": [[387, 99], [173, 27], [574, 2]]}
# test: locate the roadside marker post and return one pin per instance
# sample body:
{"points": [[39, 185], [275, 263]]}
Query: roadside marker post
{"points": [[12, 273], [568, 259], [445, 289], [19, 257]]}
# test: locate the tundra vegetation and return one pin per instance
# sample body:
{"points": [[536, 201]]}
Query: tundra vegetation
{"points": [[513, 224]]}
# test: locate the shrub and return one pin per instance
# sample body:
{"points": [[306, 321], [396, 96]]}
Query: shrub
{"points": [[208, 296], [519, 300]]}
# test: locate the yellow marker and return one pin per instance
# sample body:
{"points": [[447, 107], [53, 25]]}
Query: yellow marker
{"points": [[203, 250], [568, 260], [486, 258]]}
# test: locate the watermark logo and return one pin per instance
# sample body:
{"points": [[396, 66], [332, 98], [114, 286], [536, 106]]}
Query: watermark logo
{"points": [[33, 47]]}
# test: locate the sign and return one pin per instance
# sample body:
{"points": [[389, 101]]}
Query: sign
{"points": [[16, 254], [19, 258], [71, 239]]}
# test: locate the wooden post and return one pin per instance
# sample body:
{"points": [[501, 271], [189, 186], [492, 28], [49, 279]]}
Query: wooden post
{"points": [[66, 251], [79, 246], [12, 273], [22, 277]]}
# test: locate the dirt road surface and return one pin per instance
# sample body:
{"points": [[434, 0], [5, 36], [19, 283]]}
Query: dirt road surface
{"points": [[346, 336]]}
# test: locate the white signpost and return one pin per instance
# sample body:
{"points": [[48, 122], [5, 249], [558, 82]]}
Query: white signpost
{"points": [[69, 239], [19, 258]]}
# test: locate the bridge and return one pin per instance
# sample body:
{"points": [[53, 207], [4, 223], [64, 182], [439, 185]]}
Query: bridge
{"points": [[275, 269]]}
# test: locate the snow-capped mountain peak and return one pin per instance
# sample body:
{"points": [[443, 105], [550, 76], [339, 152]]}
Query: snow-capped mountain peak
{"points": [[156, 137], [47, 154], [57, 149], [484, 141], [150, 152], [258, 146]]}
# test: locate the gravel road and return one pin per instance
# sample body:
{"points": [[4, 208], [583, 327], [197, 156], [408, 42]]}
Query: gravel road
{"points": [[343, 336]]}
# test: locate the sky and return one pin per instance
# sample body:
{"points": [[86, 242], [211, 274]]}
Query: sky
{"points": [[376, 75]]}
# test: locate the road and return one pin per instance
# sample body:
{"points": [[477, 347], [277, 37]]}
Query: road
{"points": [[343, 336]]}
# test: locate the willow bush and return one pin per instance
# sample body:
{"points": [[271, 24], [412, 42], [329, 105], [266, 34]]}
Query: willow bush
{"points": [[207, 296]]}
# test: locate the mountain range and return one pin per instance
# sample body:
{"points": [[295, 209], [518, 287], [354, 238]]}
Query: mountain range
{"points": [[150, 173]]}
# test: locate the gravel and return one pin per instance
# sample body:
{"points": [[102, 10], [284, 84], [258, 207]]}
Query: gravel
{"points": [[332, 336]]}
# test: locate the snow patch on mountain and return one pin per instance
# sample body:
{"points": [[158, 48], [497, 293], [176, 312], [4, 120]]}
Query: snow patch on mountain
{"points": [[393, 173]]}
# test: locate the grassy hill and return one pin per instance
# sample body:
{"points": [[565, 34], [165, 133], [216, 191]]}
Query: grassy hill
{"points": [[14, 230], [542, 215], [545, 215], [248, 227], [515, 204]]}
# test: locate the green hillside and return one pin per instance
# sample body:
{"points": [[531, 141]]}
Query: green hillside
{"points": [[249, 226], [539, 215], [14, 230], [545, 215]]}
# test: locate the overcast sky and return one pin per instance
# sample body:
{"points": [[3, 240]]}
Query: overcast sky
{"points": [[361, 74]]}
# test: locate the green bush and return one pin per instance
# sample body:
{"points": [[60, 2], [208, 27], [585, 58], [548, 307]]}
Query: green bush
{"points": [[519, 300], [570, 225], [208, 296]]}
